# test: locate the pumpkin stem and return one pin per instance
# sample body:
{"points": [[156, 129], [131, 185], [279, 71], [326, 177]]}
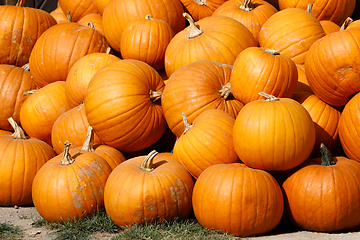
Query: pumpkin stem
{"points": [[91, 25], [18, 132], [88, 145], [154, 96], [272, 51], [186, 123], [309, 7], [67, 159], [20, 3], [225, 90], [326, 156], [194, 30], [68, 16], [26, 67], [269, 97], [147, 164], [30, 92], [148, 17], [200, 2], [346, 23], [247, 6]]}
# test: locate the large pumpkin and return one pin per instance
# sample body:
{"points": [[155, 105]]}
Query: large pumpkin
{"points": [[275, 134], [122, 104], [194, 88], [21, 158], [323, 194], [237, 199], [20, 28], [216, 38], [148, 189], [77, 8]]}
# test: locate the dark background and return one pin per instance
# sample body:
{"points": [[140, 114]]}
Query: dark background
{"points": [[47, 5]]}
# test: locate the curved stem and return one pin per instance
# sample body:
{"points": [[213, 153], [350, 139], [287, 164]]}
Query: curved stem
{"points": [[194, 30], [225, 90], [91, 25], [147, 164], [20, 3], [326, 156], [26, 67], [68, 16], [67, 159], [18, 132], [346, 23], [309, 7], [30, 92], [272, 51], [88, 145], [154, 96], [187, 125], [108, 50], [200, 2], [247, 6], [269, 97]]}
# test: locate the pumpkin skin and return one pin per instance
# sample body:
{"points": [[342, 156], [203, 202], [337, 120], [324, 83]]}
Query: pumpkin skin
{"points": [[252, 13], [200, 9], [77, 8], [262, 70], [41, 109], [335, 10], [265, 130], [14, 81], [59, 48], [326, 119], [303, 84], [329, 26], [80, 75], [146, 40], [21, 158], [216, 38], [20, 29], [237, 199], [118, 13], [100, 5], [348, 128], [207, 141], [332, 69], [291, 32], [122, 105], [323, 197], [68, 187], [191, 91], [146, 194], [70, 126], [59, 15]]}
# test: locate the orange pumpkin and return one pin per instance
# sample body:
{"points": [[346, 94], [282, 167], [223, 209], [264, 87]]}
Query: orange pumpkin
{"points": [[236, 199], [200, 9], [262, 70], [216, 38], [68, 188], [329, 26], [20, 28], [41, 109], [197, 87], [275, 134], [21, 158], [59, 15], [148, 189], [207, 141], [122, 104], [100, 5], [92, 18]]}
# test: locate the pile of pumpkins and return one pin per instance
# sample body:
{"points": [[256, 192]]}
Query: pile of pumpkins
{"points": [[238, 112]]}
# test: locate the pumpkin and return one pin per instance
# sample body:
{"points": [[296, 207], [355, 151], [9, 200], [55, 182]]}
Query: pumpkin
{"points": [[146, 40], [323, 194], [148, 189], [59, 15], [122, 104], [326, 119], [331, 66], [100, 5], [68, 188], [59, 48], [197, 87], [334, 10], [118, 13], [20, 28], [207, 141], [216, 38], [200, 9], [41, 109], [236, 199], [252, 13], [81, 73], [291, 32], [262, 70], [92, 18], [274, 134], [348, 128], [77, 8], [21, 158], [70, 126], [14, 81], [329, 26]]}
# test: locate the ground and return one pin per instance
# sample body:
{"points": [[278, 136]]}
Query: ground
{"points": [[25, 216]]}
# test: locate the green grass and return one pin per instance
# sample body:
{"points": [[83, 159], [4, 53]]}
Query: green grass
{"points": [[168, 230], [9, 231]]}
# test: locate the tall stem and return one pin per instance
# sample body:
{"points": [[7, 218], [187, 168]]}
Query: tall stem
{"points": [[67, 159], [194, 30], [326, 156], [147, 164], [187, 125]]}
